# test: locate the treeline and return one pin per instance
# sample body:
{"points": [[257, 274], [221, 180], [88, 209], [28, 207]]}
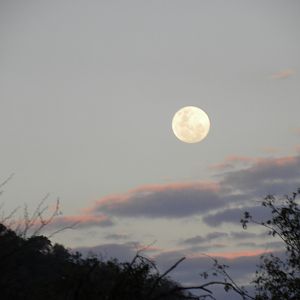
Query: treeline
{"points": [[34, 269]]}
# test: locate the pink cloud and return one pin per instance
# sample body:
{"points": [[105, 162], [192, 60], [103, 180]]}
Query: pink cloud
{"points": [[224, 254], [82, 221], [146, 248], [279, 162], [156, 188], [231, 161], [234, 160], [237, 254], [161, 200], [283, 74]]}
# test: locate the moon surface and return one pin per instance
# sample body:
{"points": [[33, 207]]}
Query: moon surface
{"points": [[190, 124]]}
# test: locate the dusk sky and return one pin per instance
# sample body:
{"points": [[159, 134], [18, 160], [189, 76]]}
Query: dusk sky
{"points": [[88, 90]]}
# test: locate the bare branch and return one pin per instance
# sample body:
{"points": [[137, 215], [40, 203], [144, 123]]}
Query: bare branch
{"points": [[156, 282], [3, 183], [63, 228]]}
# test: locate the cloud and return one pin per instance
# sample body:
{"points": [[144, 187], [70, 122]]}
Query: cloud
{"points": [[204, 239], [266, 176], [248, 244], [236, 254], [232, 161], [117, 236], [80, 221], [238, 239], [283, 74], [267, 246], [204, 248], [166, 200], [234, 215], [238, 235]]}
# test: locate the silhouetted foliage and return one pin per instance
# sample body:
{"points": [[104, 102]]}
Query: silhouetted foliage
{"points": [[32, 268], [278, 276]]}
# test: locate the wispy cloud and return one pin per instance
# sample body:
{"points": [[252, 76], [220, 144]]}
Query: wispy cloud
{"points": [[237, 254], [117, 236], [270, 245], [175, 200], [80, 221], [283, 74], [234, 215], [231, 162], [203, 239], [238, 235]]}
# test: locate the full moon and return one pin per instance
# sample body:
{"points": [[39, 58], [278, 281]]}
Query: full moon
{"points": [[190, 124]]}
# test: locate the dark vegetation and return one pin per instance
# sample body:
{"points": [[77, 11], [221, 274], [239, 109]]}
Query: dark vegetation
{"points": [[31, 267], [278, 277]]}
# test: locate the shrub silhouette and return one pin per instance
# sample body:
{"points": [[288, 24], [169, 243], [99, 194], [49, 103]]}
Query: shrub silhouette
{"points": [[32, 268]]}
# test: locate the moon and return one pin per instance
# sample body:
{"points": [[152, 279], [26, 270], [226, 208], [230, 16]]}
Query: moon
{"points": [[190, 124]]}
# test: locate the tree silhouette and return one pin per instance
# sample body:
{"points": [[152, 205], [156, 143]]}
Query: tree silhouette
{"points": [[278, 277], [32, 268]]}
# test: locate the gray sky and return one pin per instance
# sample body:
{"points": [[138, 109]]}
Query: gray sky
{"points": [[88, 90]]}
